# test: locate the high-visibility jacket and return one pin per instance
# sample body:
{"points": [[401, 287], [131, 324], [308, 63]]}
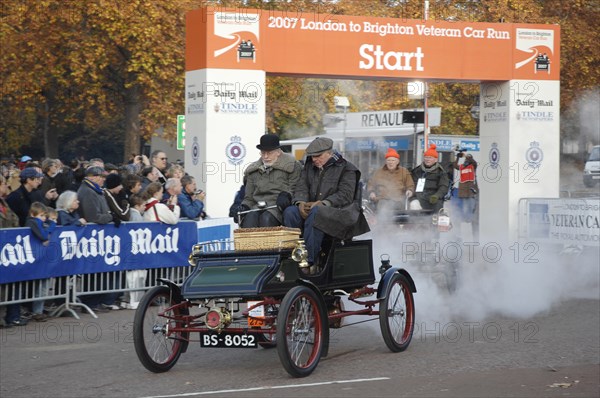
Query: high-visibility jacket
{"points": [[467, 173]]}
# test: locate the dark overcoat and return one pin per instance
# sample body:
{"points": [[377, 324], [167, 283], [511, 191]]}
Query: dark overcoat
{"points": [[336, 186], [436, 183]]}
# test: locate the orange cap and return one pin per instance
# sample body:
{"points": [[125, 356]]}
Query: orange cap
{"points": [[431, 152], [392, 153]]}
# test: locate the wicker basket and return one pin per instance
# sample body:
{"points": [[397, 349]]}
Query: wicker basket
{"points": [[269, 238]]}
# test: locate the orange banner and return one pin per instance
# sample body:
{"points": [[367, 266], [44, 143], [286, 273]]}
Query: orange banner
{"points": [[370, 48]]}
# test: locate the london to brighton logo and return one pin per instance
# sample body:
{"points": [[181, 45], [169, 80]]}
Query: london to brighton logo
{"points": [[229, 25]]}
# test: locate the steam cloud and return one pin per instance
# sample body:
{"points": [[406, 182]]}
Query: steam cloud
{"points": [[517, 279]]}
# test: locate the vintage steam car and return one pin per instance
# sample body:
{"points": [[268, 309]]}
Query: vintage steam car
{"points": [[262, 293]]}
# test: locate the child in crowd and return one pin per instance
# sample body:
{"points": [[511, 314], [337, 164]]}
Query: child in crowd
{"points": [[138, 204], [38, 215], [51, 217], [42, 221], [136, 278], [156, 211]]}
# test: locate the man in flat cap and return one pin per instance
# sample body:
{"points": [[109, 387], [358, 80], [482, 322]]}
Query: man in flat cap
{"points": [[93, 206], [269, 181], [324, 199]]}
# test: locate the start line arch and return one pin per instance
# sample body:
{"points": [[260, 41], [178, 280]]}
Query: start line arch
{"points": [[230, 51]]}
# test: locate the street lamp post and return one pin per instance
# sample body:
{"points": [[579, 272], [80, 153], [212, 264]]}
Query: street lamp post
{"points": [[344, 103]]}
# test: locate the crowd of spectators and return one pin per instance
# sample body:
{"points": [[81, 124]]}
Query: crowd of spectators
{"points": [[45, 193]]}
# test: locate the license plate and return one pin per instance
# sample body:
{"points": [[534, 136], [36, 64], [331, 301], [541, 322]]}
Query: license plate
{"points": [[595, 177], [228, 340]]}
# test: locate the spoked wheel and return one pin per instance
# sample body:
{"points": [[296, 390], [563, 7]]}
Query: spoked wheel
{"points": [[157, 348], [397, 314], [300, 328]]}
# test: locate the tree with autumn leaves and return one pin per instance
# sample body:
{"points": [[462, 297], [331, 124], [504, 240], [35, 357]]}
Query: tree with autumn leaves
{"points": [[97, 67], [74, 72]]}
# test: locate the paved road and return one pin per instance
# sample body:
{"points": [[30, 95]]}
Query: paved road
{"points": [[513, 329], [555, 353]]}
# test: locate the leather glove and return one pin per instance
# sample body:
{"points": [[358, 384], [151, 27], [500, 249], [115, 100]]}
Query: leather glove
{"points": [[460, 155], [304, 208], [117, 221], [236, 216], [433, 199], [284, 200]]}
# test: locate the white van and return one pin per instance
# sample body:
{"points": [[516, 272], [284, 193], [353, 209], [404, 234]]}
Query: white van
{"points": [[591, 171]]}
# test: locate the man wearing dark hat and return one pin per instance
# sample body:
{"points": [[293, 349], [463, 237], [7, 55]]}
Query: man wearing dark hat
{"points": [[20, 199], [118, 207], [93, 206], [324, 199], [270, 181]]}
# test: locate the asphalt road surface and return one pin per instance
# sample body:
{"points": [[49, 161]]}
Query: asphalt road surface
{"points": [[511, 330], [552, 354]]}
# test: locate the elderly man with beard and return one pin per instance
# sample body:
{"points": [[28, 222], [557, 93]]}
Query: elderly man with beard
{"points": [[325, 199], [269, 180]]}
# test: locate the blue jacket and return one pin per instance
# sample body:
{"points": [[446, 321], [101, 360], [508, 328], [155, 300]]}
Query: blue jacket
{"points": [[39, 229], [189, 208], [66, 218]]}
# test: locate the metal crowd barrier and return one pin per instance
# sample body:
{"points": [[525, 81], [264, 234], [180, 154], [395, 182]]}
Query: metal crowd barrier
{"points": [[70, 290], [69, 293]]}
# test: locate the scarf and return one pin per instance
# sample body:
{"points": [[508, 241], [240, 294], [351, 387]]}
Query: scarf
{"points": [[150, 204], [429, 169], [97, 188]]}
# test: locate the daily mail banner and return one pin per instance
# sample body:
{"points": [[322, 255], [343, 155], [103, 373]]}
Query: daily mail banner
{"points": [[94, 248], [565, 221], [304, 43]]}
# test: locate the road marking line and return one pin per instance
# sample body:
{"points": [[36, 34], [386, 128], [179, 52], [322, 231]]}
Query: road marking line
{"points": [[191, 394]]}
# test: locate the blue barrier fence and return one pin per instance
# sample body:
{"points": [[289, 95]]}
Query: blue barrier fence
{"points": [[127, 260], [103, 248]]}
